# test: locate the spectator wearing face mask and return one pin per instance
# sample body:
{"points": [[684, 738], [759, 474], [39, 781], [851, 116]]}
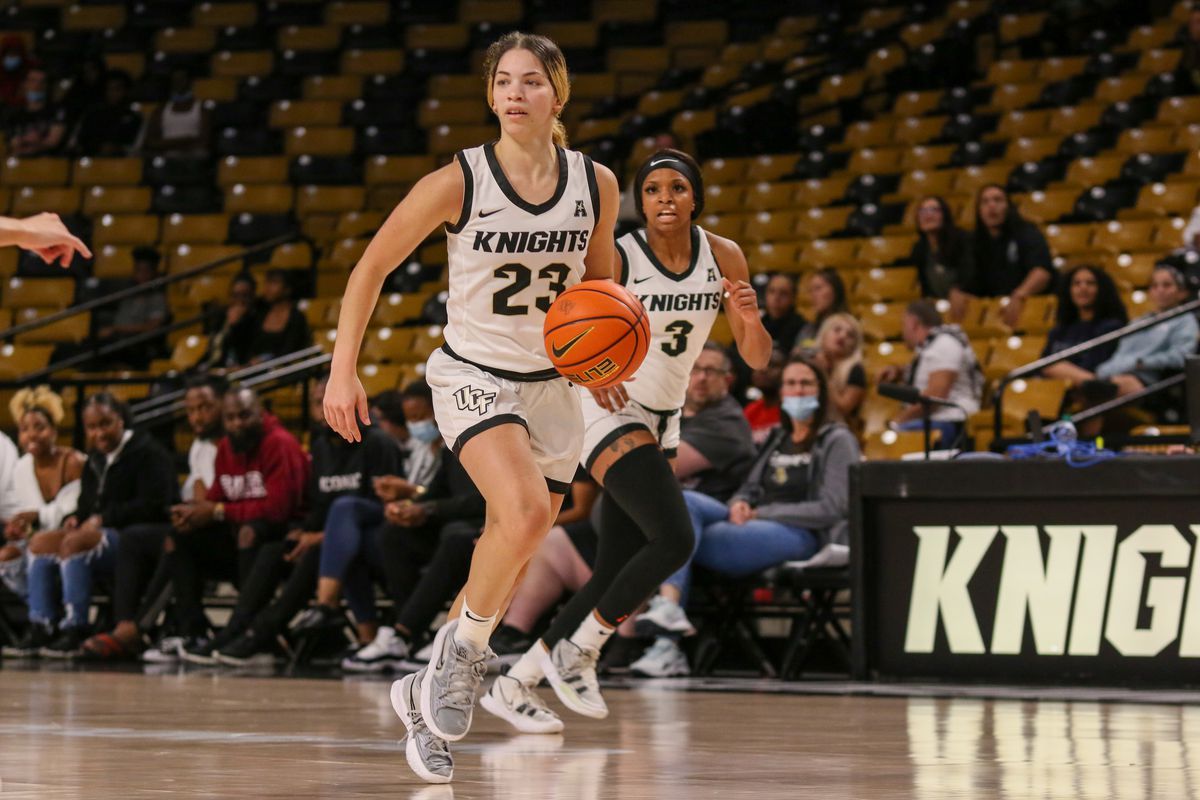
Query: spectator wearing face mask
{"points": [[14, 63], [40, 128], [182, 126]]}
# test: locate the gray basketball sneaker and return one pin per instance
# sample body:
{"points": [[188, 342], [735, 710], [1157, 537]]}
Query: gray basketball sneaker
{"points": [[571, 672], [451, 681], [427, 755]]}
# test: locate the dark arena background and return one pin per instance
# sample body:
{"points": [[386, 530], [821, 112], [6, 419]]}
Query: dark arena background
{"points": [[980, 219]]}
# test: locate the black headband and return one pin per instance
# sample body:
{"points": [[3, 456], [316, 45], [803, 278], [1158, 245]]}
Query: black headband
{"points": [[679, 165]]}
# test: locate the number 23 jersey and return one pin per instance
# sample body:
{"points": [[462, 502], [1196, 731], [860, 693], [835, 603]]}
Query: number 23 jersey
{"points": [[682, 310], [509, 259]]}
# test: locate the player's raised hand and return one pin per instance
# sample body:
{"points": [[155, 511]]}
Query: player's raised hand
{"points": [[345, 399], [46, 235], [741, 299]]}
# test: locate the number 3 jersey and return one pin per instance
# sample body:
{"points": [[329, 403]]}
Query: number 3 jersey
{"points": [[682, 310], [509, 259]]}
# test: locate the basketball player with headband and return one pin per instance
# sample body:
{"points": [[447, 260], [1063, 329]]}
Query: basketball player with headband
{"points": [[683, 275], [525, 219]]}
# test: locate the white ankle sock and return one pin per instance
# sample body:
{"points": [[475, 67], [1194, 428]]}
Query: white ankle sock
{"points": [[592, 633], [528, 670], [474, 629]]}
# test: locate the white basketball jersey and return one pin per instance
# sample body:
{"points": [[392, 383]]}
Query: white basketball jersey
{"points": [[682, 310], [509, 260]]}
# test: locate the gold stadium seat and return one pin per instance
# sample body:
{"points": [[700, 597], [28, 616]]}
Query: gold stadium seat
{"points": [[132, 63], [885, 60], [1012, 352], [879, 284], [1011, 71], [451, 36], [773, 257], [475, 11], [651, 60], [1146, 140], [1013, 96], [320, 312], [1043, 395], [1017, 27], [113, 261], [447, 139], [387, 344], [19, 360], [1024, 149], [354, 224], [769, 226], [841, 87], [185, 40], [373, 62], [1191, 166], [219, 90], [357, 13], [1016, 124], [816, 223], [711, 34], [889, 445], [868, 134], [1149, 37], [126, 229], [329, 199], [434, 112], [728, 225], [689, 124], [1069, 239], [116, 200], [252, 170], [397, 169], [820, 253], [1088, 172], [107, 171], [720, 75], [195, 229], [1179, 110], [880, 251], [345, 253], [35, 171], [1168, 233], [342, 88], [882, 321], [920, 183], [39, 292], [724, 171], [885, 354], [32, 200], [575, 34], [425, 342], [448, 87], [259, 199], [762, 196], [971, 179], [876, 19], [309, 37], [319, 141], [1060, 68], [1154, 62], [93, 17], [1045, 207], [1119, 88], [1137, 303], [292, 255], [1133, 270], [1176, 197], [398, 308], [72, 329], [377, 378], [225, 15], [927, 156], [188, 351], [301, 113], [1037, 316], [591, 129], [918, 34], [883, 160], [186, 256], [242, 64], [654, 103], [1124, 237], [816, 192], [918, 130], [726, 199]]}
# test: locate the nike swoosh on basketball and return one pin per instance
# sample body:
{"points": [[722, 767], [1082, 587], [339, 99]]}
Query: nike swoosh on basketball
{"points": [[559, 352], [483, 214]]}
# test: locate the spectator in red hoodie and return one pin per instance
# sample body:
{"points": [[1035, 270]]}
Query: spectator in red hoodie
{"points": [[261, 474], [14, 63], [763, 412]]}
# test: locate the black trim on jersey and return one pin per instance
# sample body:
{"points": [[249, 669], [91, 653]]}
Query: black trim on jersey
{"points": [[682, 276], [468, 194], [489, 151], [523, 377], [486, 425], [558, 487], [623, 278], [609, 438], [657, 411], [671, 452], [589, 169], [713, 250]]}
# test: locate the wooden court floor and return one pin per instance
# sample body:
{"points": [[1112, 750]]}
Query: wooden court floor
{"points": [[97, 736]]}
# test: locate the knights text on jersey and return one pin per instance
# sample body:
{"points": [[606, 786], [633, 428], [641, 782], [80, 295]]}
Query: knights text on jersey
{"points": [[509, 259], [682, 309]]}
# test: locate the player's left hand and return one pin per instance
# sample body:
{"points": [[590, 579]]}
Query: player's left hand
{"points": [[611, 398], [741, 299]]}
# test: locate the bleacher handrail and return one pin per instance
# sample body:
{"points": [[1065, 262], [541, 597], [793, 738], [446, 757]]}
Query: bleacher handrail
{"points": [[1033, 367], [149, 286]]}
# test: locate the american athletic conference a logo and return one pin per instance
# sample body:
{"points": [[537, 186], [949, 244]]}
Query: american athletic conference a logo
{"points": [[469, 398]]}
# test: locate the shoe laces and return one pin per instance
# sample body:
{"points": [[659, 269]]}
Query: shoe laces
{"points": [[437, 750], [581, 660], [466, 674]]}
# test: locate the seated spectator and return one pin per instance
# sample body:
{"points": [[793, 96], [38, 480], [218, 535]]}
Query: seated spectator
{"points": [[231, 328], [129, 480], [343, 474], [14, 63], [945, 367], [9, 507], [1010, 255], [280, 328], [795, 500], [763, 412], [942, 253], [1088, 306], [1191, 232], [433, 519], [1188, 73], [386, 410], [44, 492], [143, 570], [88, 88], [258, 489], [780, 317], [110, 127], [39, 127], [826, 296], [839, 353], [1149, 356], [139, 314], [562, 563], [181, 127], [715, 444]]}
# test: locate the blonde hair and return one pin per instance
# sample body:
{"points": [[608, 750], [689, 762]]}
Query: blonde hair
{"points": [[38, 398], [839, 374], [553, 61]]}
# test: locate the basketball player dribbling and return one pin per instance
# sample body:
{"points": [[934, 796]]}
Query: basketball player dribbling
{"points": [[525, 219], [681, 273]]}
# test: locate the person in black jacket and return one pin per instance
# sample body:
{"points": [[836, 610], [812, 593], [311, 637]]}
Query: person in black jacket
{"points": [[1012, 258], [129, 480], [341, 471], [280, 327], [942, 255]]}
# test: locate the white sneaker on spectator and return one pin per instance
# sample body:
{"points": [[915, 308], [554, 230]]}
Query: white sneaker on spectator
{"points": [[520, 706], [168, 651], [664, 659], [386, 651], [663, 616]]}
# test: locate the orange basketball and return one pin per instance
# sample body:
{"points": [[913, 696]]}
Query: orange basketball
{"points": [[597, 333]]}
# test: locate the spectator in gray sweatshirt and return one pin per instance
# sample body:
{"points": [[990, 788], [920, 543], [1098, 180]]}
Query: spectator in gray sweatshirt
{"points": [[794, 501]]}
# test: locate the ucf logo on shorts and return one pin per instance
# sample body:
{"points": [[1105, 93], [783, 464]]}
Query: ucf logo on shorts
{"points": [[469, 398]]}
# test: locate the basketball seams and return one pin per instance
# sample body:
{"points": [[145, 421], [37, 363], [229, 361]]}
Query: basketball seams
{"points": [[610, 346], [636, 321]]}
